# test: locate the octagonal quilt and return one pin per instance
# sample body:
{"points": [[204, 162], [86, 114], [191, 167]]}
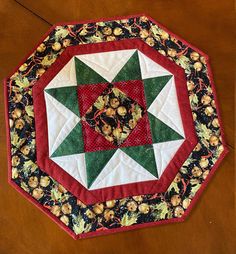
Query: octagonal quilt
{"points": [[113, 125]]}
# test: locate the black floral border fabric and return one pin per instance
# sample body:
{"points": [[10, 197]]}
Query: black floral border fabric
{"points": [[113, 214]]}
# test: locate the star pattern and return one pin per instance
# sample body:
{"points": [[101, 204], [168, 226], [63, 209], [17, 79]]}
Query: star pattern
{"points": [[113, 115]]}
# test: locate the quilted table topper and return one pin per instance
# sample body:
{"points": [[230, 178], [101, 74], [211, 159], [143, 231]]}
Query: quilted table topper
{"points": [[112, 125]]}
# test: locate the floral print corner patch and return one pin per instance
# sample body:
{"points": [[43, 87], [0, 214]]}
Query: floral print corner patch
{"points": [[113, 125]]}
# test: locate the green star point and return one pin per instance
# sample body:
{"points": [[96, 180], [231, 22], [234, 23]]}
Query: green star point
{"points": [[72, 144], [143, 155]]}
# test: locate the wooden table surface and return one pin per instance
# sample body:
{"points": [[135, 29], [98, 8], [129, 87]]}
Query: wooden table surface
{"points": [[207, 24]]}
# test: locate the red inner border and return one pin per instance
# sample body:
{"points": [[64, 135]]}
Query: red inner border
{"points": [[120, 191], [136, 226]]}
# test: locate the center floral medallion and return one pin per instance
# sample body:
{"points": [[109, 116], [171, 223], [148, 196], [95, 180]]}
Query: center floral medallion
{"points": [[110, 122], [114, 115]]}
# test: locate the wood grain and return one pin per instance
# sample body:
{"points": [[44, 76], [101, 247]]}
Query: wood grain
{"points": [[210, 229]]}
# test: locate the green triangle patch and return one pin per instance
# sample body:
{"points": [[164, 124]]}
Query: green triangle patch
{"points": [[144, 155], [131, 70], [160, 131], [72, 144], [85, 75], [95, 162], [66, 96], [153, 86]]}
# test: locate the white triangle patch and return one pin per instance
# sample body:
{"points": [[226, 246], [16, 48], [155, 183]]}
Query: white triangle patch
{"points": [[60, 122], [149, 68], [107, 64], [164, 152], [65, 77], [74, 165]]}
